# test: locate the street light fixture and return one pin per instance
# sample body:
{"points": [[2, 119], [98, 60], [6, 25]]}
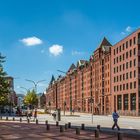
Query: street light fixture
{"points": [[91, 100], [26, 88], [35, 83]]}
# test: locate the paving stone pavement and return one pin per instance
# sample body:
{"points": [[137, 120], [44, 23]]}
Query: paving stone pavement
{"points": [[24, 131]]}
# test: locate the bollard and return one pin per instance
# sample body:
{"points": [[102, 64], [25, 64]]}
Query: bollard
{"points": [[20, 119], [1, 117], [36, 121], [66, 126], [57, 123], [77, 131], [47, 127], [69, 124], [28, 120], [61, 128], [96, 133], [46, 122], [120, 135], [6, 118], [99, 127], [13, 118], [83, 126]]}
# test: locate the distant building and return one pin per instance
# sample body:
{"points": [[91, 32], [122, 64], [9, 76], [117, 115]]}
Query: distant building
{"points": [[12, 94], [41, 100], [20, 99], [109, 80]]}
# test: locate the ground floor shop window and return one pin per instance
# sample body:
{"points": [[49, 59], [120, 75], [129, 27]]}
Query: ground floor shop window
{"points": [[125, 101], [133, 101], [119, 100]]}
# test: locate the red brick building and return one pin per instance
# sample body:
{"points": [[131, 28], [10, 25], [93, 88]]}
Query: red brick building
{"points": [[108, 81]]}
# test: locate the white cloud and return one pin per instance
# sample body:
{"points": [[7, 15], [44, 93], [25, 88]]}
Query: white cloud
{"points": [[77, 53], [31, 41], [56, 50], [128, 29], [123, 33]]}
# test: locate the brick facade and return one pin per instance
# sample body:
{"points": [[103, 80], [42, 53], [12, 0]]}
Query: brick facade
{"points": [[108, 81]]}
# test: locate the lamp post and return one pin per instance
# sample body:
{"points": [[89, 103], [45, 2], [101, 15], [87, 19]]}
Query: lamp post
{"points": [[64, 107], [91, 100], [26, 88]]}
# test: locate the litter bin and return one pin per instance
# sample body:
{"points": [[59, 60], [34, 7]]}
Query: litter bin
{"points": [[58, 115]]}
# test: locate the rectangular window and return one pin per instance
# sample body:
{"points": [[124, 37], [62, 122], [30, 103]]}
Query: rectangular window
{"points": [[120, 87], [133, 101], [123, 76], [114, 70], [123, 86], [117, 59], [134, 40], [120, 58], [130, 85], [130, 53], [127, 75], [114, 51], [134, 73], [117, 78], [135, 84], [117, 50], [127, 86], [120, 67], [120, 77], [120, 48], [134, 62], [131, 74], [126, 55], [114, 88], [123, 66], [130, 42], [130, 64], [125, 98], [123, 46], [126, 44], [123, 56], [134, 51], [126, 65], [117, 68], [119, 100], [114, 60]]}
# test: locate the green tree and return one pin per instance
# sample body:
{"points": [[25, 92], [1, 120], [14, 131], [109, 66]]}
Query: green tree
{"points": [[31, 98], [4, 85]]}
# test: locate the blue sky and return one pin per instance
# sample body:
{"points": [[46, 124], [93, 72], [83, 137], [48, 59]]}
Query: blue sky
{"points": [[38, 37]]}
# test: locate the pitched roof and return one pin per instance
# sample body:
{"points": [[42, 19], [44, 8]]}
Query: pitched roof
{"points": [[72, 67], [52, 80], [105, 42], [81, 62]]}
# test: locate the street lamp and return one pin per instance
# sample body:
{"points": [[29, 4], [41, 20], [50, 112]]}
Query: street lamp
{"points": [[91, 100], [35, 83], [64, 107], [26, 88]]}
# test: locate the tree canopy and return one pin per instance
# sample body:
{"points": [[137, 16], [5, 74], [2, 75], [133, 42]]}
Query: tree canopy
{"points": [[31, 98], [4, 85]]}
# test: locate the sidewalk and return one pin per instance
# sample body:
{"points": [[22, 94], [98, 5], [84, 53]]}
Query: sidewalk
{"points": [[24, 131]]}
